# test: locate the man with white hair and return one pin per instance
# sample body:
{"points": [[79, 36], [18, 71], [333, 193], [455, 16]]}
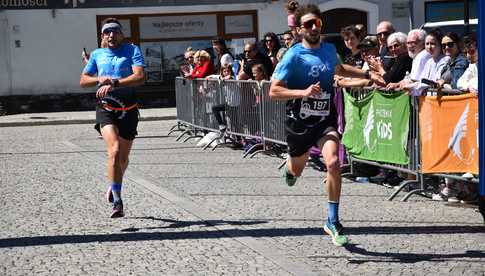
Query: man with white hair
{"points": [[416, 51]]}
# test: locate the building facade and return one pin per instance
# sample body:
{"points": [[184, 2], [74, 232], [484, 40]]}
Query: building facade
{"points": [[41, 40]]}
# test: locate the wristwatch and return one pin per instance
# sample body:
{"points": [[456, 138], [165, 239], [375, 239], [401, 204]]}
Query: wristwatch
{"points": [[115, 82]]}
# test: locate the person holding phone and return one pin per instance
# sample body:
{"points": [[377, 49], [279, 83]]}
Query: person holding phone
{"points": [[431, 72], [304, 78], [115, 70]]}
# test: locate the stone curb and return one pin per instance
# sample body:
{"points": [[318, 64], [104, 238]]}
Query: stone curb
{"points": [[74, 121]]}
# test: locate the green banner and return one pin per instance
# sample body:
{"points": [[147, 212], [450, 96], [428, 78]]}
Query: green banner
{"points": [[376, 127]]}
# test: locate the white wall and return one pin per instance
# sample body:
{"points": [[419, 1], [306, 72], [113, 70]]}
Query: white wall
{"points": [[48, 61], [4, 62]]}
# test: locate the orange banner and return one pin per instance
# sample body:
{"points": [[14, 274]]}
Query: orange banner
{"points": [[449, 134]]}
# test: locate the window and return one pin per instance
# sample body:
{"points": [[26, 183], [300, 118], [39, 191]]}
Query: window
{"points": [[163, 38]]}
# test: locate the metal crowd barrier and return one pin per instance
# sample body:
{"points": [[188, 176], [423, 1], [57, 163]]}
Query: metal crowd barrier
{"points": [[250, 113]]}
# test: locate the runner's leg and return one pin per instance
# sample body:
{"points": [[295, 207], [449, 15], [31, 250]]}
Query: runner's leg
{"points": [[329, 144], [115, 169], [297, 164]]}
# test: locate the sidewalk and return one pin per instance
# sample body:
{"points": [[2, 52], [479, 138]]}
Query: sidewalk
{"points": [[78, 117]]}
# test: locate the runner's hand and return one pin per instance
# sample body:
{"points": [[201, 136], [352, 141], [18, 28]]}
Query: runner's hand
{"points": [[313, 89], [103, 90]]}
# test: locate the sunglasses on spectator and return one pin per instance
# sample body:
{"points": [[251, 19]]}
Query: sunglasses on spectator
{"points": [[386, 33], [309, 24], [395, 46], [268, 40], [448, 44], [287, 39]]}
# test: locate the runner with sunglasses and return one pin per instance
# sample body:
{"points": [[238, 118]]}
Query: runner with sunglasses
{"points": [[304, 78], [115, 70]]}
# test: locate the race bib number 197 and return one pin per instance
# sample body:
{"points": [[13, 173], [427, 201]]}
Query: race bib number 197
{"points": [[318, 105]]}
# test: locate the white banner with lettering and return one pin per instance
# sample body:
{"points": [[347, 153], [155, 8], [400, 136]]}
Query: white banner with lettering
{"points": [[178, 26]]}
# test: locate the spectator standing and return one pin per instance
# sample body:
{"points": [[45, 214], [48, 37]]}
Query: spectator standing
{"points": [[253, 56], [231, 96], [469, 80], [402, 64], [352, 37], [223, 55], [116, 70], [271, 46], [203, 66], [416, 51], [384, 30], [458, 62], [433, 67], [288, 39], [188, 65], [369, 49], [291, 7]]}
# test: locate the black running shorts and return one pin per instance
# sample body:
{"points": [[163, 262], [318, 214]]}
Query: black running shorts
{"points": [[126, 123], [301, 138]]}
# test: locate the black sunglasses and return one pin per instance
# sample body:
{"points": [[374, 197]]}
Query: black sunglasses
{"points": [[386, 33], [449, 44]]}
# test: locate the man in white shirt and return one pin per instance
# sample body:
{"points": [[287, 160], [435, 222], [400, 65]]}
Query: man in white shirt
{"points": [[416, 51]]}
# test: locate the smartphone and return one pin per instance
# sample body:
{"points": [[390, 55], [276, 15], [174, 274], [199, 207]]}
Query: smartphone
{"points": [[429, 82], [85, 52]]}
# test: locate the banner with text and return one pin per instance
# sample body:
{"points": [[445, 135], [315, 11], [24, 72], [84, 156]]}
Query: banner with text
{"points": [[449, 134], [377, 127]]}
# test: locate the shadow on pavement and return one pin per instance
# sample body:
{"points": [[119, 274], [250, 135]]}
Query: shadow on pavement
{"points": [[181, 223], [408, 257], [233, 233]]}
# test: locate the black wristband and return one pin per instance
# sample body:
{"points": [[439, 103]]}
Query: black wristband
{"points": [[367, 75], [115, 82]]}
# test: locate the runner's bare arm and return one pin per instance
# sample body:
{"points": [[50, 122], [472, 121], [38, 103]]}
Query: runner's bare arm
{"points": [[88, 80], [279, 91], [135, 79], [350, 71]]}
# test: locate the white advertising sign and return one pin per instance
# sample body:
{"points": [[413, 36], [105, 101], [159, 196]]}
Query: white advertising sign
{"points": [[237, 24], [178, 26]]}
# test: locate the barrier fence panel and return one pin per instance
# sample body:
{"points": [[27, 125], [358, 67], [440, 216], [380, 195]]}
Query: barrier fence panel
{"points": [[244, 118], [206, 94], [273, 117], [183, 97]]}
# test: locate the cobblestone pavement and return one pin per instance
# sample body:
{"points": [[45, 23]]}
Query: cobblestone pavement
{"points": [[194, 212]]}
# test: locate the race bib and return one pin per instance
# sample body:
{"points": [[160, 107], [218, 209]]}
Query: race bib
{"points": [[318, 105]]}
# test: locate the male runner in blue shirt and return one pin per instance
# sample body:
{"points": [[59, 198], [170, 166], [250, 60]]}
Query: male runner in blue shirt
{"points": [[115, 70], [305, 78]]}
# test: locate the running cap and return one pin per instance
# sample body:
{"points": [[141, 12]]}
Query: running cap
{"points": [[111, 25], [369, 41]]}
